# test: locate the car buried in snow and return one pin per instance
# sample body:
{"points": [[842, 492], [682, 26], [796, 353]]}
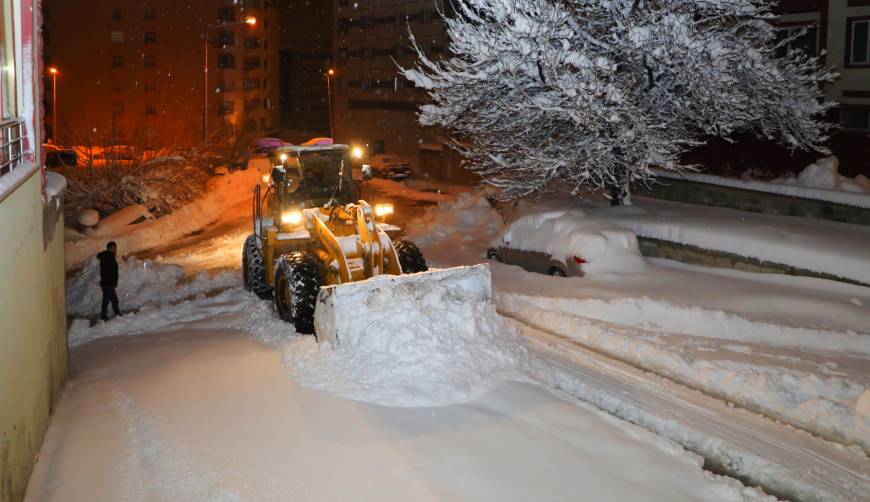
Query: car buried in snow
{"points": [[567, 243]]}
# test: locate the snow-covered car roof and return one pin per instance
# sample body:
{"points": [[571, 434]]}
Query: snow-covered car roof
{"points": [[565, 234]]}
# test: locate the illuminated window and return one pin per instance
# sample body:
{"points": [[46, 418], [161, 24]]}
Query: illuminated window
{"points": [[117, 37]]}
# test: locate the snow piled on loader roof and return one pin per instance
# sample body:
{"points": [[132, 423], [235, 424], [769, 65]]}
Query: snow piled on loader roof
{"points": [[433, 340]]}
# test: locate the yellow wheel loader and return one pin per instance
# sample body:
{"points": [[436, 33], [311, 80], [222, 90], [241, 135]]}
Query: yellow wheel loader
{"points": [[312, 230]]}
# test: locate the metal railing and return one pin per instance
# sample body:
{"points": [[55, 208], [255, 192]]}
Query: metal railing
{"points": [[11, 145]]}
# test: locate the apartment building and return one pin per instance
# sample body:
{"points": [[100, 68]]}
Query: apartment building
{"points": [[374, 106], [33, 343], [139, 75], [304, 58], [840, 31]]}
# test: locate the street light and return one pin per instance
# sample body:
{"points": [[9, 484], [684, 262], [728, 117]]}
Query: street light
{"points": [[329, 74], [53, 71], [250, 21]]}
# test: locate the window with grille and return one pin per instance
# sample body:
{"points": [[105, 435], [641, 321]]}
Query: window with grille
{"points": [[117, 61], [150, 37], [117, 37]]}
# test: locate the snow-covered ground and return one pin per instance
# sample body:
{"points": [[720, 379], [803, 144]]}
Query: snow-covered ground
{"points": [[172, 401], [207, 406], [838, 249], [820, 180], [793, 348], [225, 197]]}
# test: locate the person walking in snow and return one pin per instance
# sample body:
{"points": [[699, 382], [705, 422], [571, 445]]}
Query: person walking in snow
{"points": [[109, 279]]}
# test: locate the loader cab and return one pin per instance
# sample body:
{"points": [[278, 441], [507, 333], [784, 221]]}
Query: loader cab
{"points": [[313, 176]]}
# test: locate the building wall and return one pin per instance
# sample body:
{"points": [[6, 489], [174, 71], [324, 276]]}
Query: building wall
{"points": [[374, 106], [831, 19], [138, 78], [33, 342]]}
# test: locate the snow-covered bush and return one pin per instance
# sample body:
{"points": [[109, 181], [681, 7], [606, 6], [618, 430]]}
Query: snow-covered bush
{"points": [[594, 93], [162, 185]]}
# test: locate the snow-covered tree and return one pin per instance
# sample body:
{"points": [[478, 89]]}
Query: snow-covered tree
{"points": [[594, 93]]}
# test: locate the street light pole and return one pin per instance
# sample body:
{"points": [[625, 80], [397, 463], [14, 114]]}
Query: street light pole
{"points": [[54, 73], [250, 21], [329, 73]]}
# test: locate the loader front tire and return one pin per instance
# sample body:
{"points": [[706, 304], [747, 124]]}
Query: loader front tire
{"points": [[410, 257], [254, 269], [297, 282]]}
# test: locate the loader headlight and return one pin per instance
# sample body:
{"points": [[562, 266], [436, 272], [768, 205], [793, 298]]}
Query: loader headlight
{"points": [[291, 217], [357, 152], [382, 210], [266, 178]]}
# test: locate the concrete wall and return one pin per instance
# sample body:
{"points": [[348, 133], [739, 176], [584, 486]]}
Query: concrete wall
{"points": [[708, 194], [33, 343]]}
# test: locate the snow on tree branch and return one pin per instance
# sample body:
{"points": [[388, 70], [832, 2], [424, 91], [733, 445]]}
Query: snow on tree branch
{"points": [[596, 92]]}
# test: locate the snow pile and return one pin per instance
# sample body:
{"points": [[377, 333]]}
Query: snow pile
{"points": [[140, 283], [819, 181], [822, 246], [457, 231], [223, 192], [116, 221], [606, 247], [824, 174], [417, 343], [772, 380]]}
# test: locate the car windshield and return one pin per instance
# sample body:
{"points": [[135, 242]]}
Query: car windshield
{"points": [[324, 174]]}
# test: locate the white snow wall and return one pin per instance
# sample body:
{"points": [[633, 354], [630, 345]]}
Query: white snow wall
{"points": [[344, 313]]}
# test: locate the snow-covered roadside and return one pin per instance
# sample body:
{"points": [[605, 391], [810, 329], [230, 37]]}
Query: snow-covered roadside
{"points": [[222, 193], [143, 283], [822, 246], [819, 396], [198, 409], [819, 181], [788, 347]]}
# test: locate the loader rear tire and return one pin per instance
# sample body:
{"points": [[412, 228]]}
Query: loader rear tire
{"points": [[254, 269], [297, 282], [410, 257]]}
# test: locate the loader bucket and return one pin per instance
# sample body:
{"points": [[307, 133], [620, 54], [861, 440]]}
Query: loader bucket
{"points": [[346, 312]]}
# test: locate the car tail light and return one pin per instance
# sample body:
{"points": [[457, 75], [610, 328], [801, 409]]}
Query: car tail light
{"points": [[578, 260]]}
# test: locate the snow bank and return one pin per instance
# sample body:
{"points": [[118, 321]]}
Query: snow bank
{"points": [[816, 398], [141, 283], [457, 232], [116, 221], [222, 192], [820, 181], [606, 247], [417, 343], [828, 247]]}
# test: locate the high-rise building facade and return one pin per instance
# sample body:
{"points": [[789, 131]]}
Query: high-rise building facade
{"points": [[373, 105], [134, 72], [305, 57]]}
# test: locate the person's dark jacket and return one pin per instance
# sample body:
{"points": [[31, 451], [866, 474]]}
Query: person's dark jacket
{"points": [[108, 269]]}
